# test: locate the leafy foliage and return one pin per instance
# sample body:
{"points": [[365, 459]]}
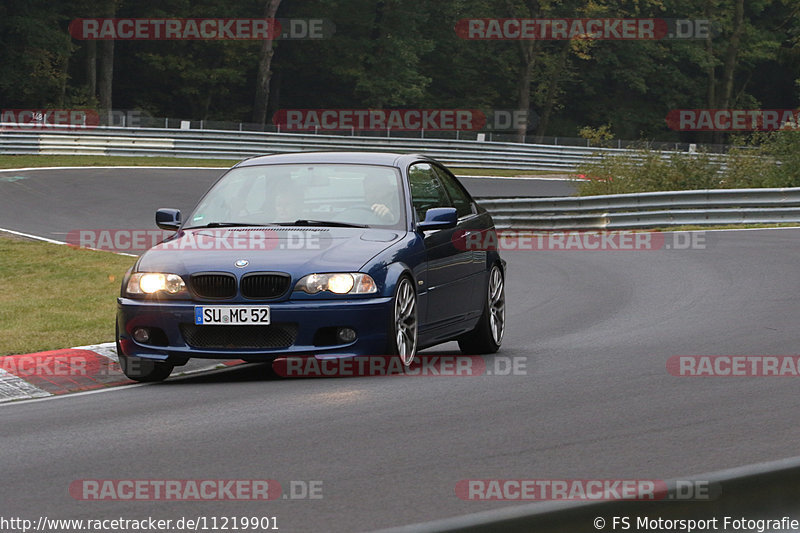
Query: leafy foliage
{"points": [[403, 54], [770, 160]]}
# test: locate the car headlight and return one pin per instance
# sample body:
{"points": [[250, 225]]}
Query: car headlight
{"points": [[153, 282], [338, 283]]}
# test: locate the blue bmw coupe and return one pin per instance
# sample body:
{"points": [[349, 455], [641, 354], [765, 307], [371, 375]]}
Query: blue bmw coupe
{"points": [[315, 254]]}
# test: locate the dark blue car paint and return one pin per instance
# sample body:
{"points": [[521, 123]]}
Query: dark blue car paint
{"points": [[450, 280]]}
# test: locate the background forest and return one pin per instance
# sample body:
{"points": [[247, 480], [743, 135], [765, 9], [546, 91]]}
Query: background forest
{"points": [[406, 54]]}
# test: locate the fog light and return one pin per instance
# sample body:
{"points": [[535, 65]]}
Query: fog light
{"points": [[346, 334], [141, 335]]}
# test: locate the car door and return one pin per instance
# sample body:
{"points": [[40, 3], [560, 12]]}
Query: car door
{"points": [[469, 222], [448, 266]]}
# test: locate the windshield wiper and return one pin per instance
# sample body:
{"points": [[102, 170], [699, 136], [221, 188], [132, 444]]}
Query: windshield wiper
{"points": [[225, 225], [306, 222]]}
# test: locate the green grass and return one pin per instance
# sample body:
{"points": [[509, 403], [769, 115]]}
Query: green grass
{"points": [[25, 161], [54, 296]]}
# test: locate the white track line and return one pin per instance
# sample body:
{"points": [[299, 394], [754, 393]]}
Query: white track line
{"points": [[43, 396], [28, 235], [73, 394], [51, 241]]}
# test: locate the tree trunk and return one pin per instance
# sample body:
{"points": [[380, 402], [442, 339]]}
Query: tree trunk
{"points": [[106, 76], [711, 73], [106, 82], [711, 98], [64, 77], [264, 72], [729, 66], [527, 49], [274, 101], [552, 87], [91, 68]]}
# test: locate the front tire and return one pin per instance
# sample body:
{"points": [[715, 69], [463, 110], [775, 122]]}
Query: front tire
{"points": [[487, 336], [142, 370], [403, 325]]}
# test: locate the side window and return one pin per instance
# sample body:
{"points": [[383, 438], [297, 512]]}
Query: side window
{"points": [[426, 189], [460, 198]]}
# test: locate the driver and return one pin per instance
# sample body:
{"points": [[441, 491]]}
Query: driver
{"points": [[381, 196]]}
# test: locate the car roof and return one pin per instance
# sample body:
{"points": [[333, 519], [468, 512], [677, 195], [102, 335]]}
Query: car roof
{"points": [[356, 158]]}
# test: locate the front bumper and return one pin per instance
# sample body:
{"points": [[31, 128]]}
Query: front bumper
{"points": [[369, 317]]}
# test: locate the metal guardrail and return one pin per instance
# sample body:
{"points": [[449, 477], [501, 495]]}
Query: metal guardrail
{"points": [[224, 144], [702, 207], [647, 210], [766, 491]]}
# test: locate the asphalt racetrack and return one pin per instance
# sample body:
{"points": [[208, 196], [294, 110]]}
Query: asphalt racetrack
{"points": [[50, 203], [592, 399]]}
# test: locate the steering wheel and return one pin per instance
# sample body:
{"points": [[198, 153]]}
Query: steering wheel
{"points": [[371, 218]]}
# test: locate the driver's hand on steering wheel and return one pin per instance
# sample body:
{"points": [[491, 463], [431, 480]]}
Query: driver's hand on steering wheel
{"points": [[382, 211]]}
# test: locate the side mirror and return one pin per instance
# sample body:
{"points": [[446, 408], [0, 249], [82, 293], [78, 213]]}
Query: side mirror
{"points": [[169, 219], [439, 218]]}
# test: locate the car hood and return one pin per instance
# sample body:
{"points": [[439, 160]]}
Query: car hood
{"points": [[296, 250]]}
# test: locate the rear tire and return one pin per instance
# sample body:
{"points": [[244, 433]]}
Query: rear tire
{"points": [[142, 370], [487, 336]]}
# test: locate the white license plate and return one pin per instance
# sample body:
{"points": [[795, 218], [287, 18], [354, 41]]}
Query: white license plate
{"points": [[231, 315]]}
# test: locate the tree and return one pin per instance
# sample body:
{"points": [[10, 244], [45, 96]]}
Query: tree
{"points": [[34, 51], [264, 72], [105, 85]]}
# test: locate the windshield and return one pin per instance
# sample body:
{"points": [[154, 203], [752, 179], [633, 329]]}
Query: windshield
{"points": [[308, 194]]}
